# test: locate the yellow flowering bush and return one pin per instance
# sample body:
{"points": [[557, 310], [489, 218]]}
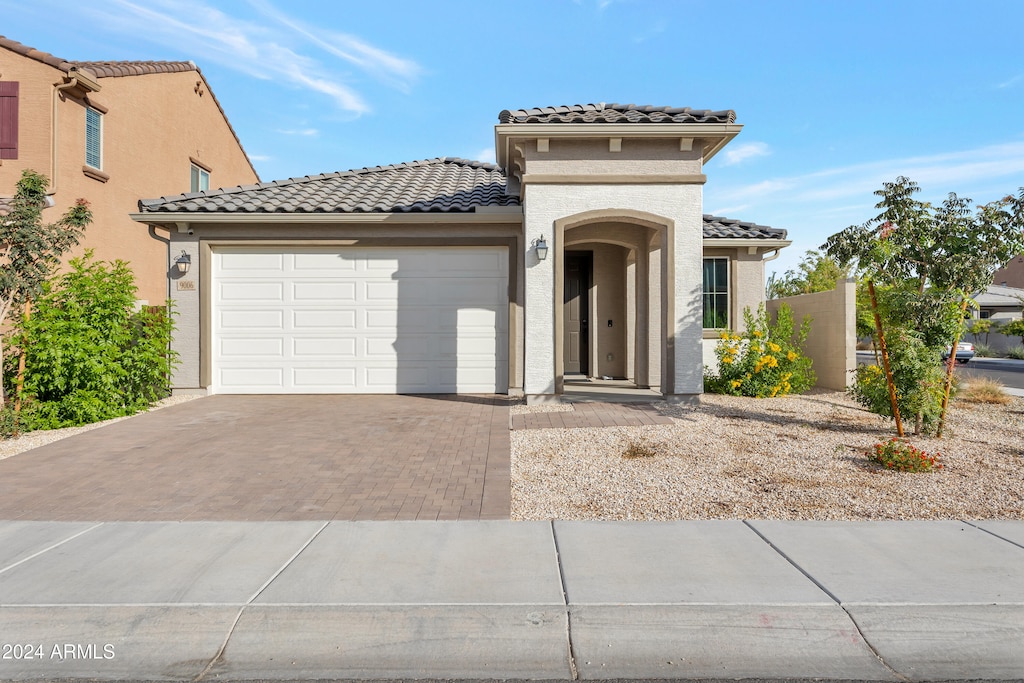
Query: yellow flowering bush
{"points": [[764, 361]]}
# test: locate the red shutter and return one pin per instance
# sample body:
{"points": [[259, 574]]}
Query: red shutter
{"points": [[9, 120]]}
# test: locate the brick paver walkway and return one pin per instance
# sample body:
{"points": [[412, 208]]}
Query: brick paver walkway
{"points": [[593, 415], [275, 458]]}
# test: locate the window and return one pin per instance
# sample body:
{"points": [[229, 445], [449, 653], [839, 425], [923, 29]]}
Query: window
{"points": [[8, 120], [93, 138], [200, 179], [716, 293]]}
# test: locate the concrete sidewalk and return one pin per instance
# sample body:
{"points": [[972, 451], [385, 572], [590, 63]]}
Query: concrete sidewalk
{"points": [[494, 599]]}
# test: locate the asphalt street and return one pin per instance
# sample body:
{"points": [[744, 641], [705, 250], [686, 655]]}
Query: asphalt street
{"points": [[1008, 371]]}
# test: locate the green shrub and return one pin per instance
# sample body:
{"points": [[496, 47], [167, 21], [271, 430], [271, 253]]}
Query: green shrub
{"points": [[766, 361], [983, 350], [896, 454], [88, 355], [918, 373], [1016, 352]]}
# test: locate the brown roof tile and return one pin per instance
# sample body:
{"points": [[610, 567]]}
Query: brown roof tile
{"points": [[433, 185], [616, 113], [728, 228]]}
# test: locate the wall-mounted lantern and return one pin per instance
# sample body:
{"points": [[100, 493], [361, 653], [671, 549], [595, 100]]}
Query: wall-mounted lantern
{"points": [[183, 262], [542, 248]]}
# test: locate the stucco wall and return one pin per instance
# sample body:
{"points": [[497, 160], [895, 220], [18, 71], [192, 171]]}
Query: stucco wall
{"points": [[832, 341], [153, 124], [679, 205]]}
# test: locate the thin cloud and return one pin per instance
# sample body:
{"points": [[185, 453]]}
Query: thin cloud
{"points": [[396, 70], [740, 153], [283, 49], [260, 157], [1012, 82], [305, 132]]}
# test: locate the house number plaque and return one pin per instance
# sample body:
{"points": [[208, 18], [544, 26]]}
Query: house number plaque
{"points": [[186, 285]]}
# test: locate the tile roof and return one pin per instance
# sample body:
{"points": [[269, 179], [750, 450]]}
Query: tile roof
{"points": [[616, 113], [444, 184], [716, 227], [98, 69], [1000, 295], [434, 185]]}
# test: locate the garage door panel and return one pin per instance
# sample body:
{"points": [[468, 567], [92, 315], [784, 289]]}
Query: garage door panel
{"points": [[252, 291], [357, 320], [324, 347], [252, 262], [251, 377], [329, 261], [323, 377], [252, 347], [323, 317], [324, 290], [251, 319]]}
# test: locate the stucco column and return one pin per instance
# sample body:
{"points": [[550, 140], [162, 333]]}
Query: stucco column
{"points": [[642, 273], [539, 313], [185, 297], [686, 319]]}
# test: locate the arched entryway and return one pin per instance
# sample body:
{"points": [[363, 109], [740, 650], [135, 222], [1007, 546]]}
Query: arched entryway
{"points": [[613, 297]]}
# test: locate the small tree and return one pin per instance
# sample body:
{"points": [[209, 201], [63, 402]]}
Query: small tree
{"points": [[980, 326], [929, 259], [30, 250]]}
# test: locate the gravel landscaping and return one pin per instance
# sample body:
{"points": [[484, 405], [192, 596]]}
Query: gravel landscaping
{"points": [[799, 457]]}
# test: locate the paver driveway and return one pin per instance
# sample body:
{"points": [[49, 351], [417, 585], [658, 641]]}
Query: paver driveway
{"points": [[275, 458]]}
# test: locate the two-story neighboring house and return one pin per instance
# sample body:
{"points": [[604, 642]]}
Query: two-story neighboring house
{"points": [[111, 132]]}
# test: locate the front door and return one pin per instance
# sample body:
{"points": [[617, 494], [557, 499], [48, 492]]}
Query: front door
{"points": [[576, 334]]}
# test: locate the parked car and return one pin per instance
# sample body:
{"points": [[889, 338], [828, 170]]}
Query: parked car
{"points": [[964, 352]]}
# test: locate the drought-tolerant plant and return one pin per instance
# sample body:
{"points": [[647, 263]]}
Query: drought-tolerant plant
{"points": [[88, 354], [983, 350], [985, 390], [918, 380], [1016, 352], [639, 449], [1013, 328], [897, 454], [765, 360]]}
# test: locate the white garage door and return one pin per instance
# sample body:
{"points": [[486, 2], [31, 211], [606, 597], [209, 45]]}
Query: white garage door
{"points": [[360, 320]]}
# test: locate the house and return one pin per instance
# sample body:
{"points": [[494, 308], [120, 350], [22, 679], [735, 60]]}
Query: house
{"points": [[999, 303], [1012, 274], [584, 252], [111, 132]]}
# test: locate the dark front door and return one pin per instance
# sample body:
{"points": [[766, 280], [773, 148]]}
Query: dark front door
{"points": [[576, 334]]}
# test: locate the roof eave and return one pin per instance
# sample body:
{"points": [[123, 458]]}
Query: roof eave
{"points": [[488, 215], [767, 243], [719, 133]]}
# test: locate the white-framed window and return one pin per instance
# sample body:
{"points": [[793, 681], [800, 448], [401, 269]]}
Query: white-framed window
{"points": [[716, 293], [200, 179], [93, 138]]}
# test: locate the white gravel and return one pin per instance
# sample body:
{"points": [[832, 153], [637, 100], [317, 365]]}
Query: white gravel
{"points": [[26, 442], [802, 457]]}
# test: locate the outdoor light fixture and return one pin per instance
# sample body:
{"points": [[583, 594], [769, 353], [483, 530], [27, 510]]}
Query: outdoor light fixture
{"points": [[542, 248], [183, 262]]}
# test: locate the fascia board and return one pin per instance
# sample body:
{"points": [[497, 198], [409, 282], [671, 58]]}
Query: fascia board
{"points": [[729, 242], [278, 218]]}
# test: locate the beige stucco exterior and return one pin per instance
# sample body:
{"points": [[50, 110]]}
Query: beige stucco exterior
{"points": [[155, 126], [630, 196]]}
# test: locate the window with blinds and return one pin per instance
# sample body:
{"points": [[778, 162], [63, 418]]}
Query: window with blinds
{"points": [[93, 138]]}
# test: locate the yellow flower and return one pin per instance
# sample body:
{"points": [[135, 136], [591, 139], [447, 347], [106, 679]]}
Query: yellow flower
{"points": [[723, 335], [757, 333], [792, 355], [736, 337], [727, 360], [774, 347], [735, 383]]}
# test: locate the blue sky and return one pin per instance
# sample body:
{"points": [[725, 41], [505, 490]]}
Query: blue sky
{"points": [[835, 97]]}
